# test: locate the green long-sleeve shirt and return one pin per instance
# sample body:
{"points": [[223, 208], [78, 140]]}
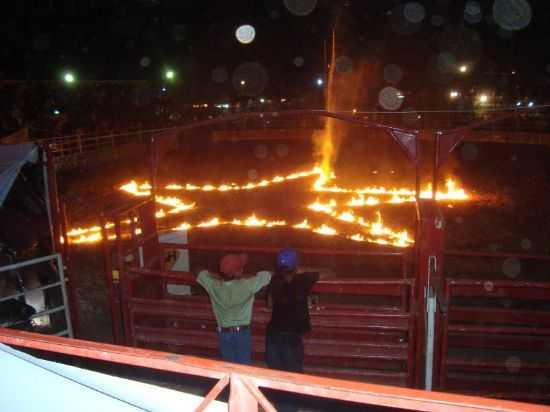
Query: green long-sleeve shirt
{"points": [[232, 300]]}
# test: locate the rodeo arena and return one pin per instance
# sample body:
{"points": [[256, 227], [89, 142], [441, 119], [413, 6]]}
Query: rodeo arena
{"points": [[425, 236], [406, 322]]}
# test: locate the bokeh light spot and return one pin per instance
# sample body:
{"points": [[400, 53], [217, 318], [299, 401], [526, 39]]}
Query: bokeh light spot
{"points": [[245, 34], [390, 98], [254, 76], [512, 14], [344, 64], [298, 61], [219, 75], [261, 151], [300, 7], [393, 73], [437, 20], [513, 364], [511, 267], [469, 152], [414, 12], [252, 174], [282, 150], [526, 244]]}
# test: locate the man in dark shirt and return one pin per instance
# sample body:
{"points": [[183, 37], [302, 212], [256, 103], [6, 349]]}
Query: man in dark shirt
{"points": [[288, 292]]}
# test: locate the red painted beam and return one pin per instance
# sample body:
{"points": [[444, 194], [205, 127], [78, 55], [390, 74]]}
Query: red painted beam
{"points": [[365, 393]]}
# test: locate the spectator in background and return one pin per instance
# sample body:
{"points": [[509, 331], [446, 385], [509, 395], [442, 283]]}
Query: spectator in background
{"points": [[232, 298]]}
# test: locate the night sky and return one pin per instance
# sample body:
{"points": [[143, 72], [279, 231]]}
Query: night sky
{"points": [[503, 42]]}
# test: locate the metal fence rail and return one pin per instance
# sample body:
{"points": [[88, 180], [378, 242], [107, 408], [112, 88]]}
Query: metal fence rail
{"points": [[495, 330], [64, 307], [533, 122], [246, 382]]}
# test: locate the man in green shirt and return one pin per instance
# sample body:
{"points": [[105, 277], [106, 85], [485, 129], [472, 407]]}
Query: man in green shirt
{"points": [[232, 298]]}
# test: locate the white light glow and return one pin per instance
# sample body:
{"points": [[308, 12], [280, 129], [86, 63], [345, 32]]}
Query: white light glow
{"points": [[245, 34], [69, 77]]}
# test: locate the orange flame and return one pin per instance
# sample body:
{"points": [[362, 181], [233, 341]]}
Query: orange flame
{"points": [[374, 231]]}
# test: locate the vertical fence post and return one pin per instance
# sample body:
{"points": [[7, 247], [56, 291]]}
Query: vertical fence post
{"points": [[67, 310], [79, 142], [429, 283], [111, 276], [66, 254]]}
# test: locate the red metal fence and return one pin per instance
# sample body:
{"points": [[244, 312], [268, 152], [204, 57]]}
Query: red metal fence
{"points": [[246, 382], [356, 341], [361, 329], [496, 332]]}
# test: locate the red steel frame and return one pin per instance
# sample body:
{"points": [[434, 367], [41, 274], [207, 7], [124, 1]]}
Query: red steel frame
{"points": [[395, 318], [245, 381], [506, 328], [59, 229]]}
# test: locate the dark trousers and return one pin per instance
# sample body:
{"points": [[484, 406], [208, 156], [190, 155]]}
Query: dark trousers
{"points": [[284, 351]]}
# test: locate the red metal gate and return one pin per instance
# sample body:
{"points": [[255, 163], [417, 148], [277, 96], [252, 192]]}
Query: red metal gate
{"points": [[496, 331]]}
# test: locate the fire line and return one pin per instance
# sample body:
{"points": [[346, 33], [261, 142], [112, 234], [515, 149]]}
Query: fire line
{"points": [[344, 212]]}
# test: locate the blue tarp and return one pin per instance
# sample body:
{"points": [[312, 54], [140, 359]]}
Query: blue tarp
{"points": [[12, 158], [31, 384]]}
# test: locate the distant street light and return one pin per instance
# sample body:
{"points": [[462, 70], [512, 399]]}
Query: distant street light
{"points": [[453, 94], [170, 74], [463, 68], [530, 104], [483, 98], [319, 81], [69, 77]]}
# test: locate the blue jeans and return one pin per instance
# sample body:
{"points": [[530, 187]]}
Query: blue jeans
{"points": [[236, 347]]}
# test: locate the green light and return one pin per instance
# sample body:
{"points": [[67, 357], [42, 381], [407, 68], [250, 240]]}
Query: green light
{"points": [[170, 74], [69, 78]]}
